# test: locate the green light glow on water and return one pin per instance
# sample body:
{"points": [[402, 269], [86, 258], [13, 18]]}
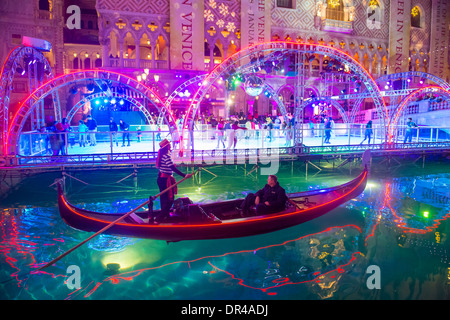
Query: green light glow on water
{"points": [[325, 258]]}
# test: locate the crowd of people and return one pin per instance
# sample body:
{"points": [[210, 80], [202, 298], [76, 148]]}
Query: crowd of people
{"points": [[60, 135], [225, 129]]}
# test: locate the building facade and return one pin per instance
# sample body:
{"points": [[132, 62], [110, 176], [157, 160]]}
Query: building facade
{"points": [[178, 39]]}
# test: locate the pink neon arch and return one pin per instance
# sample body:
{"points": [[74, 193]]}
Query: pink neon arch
{"points": [[54, 82], [282, 45], [8, 70], [406, 102]]}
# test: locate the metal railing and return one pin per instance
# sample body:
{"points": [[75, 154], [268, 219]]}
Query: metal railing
{"points": [[106, 147]]}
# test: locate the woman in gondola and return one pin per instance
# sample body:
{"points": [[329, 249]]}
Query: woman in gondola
{"points": [[165, 179]]}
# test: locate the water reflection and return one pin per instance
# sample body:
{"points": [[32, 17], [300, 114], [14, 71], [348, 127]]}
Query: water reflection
{"points": [[402, 229], [26, 235], [315, 260]]}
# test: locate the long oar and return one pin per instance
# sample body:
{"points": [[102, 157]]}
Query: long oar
{"points": [[112, 224]]}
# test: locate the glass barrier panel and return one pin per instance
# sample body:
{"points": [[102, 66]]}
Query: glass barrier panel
{"points": [[38, 144]]}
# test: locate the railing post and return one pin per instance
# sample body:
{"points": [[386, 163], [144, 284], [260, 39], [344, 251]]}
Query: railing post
{"points": [[153, 139], [66, 139], [348, 133], [322, 133], [111, 142], [31, 144]]}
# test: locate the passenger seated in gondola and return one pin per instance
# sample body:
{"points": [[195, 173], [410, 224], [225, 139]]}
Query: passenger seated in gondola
{"points": [[270, 199]]}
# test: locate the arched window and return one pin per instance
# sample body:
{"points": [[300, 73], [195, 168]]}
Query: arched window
{"points": [[98, 63], [335, 10], [374, 14], [415, 17], [216, 51]]}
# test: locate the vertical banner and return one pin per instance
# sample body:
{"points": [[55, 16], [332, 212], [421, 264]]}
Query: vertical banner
{"points": [[440, 17], [187, 39], [399, 34], [255, 22]]}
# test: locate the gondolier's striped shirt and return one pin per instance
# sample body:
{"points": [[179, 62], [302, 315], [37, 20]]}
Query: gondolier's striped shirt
{"points": [[165, 164]]}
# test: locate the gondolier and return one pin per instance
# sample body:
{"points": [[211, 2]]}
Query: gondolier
{"points": [[165, 179]]}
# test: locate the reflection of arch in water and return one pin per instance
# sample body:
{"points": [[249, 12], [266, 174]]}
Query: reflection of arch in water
{"points": [[85, 76], [401, 220], [233, 62], [114, 95]]}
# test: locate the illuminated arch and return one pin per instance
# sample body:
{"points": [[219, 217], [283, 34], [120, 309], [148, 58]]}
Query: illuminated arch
{"points": [[47, 88], [183, 86], [396, 76], [230, 64], [408, 99], [313, 89], [334, 103], [10, 66], [115, 95], [286, 86], [275, 97]]}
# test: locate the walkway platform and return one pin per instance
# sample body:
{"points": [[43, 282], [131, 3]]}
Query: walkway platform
{"points": [[143, 154]]}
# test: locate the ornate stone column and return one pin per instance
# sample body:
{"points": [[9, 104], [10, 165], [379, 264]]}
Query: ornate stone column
{"points": [[153, 49], [211, 55], [105, 43], [121, 53], [137, 52]]}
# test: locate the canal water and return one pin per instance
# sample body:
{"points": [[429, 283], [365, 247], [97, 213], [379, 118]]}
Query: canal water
{"points": [[390, 243]]}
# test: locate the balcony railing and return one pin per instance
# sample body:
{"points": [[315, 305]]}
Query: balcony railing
{"points": [[143, 63], [337, 26]]}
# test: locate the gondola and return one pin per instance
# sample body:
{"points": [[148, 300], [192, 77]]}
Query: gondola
{"points": [[217, 220]]}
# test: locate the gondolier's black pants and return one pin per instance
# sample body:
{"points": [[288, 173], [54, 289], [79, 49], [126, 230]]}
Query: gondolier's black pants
{"points": [[166, 201]]}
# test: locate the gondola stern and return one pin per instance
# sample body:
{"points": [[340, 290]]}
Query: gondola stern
{"points": [[60, 188]]}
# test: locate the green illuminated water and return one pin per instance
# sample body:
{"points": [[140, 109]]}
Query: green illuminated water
{"points": [[398, 224]]}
